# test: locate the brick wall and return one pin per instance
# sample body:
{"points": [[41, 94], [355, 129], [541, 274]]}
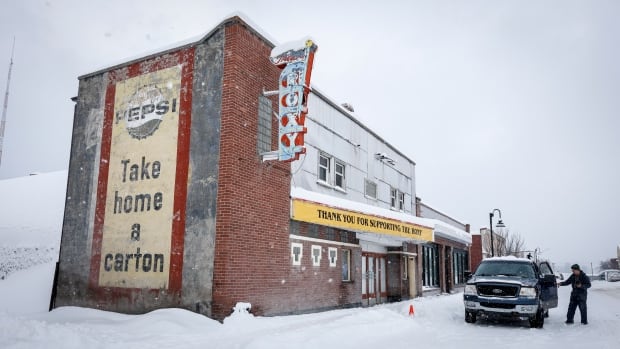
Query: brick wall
{"points": [[475, 252], [321, 287], [252, 239]]}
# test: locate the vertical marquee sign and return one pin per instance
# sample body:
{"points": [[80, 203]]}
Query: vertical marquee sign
{"points": [[296, 61], [140, 212]]}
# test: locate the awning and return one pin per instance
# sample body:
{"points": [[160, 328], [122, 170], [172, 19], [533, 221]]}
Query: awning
{"points": [[451, 232], [370, 222], [311, 207]]}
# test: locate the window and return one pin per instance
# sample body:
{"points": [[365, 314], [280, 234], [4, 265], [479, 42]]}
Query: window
{"points": [[330, 234], [370, 189], [264, 124], [459, 261], [346, 265], [296, 252], [545, 269], [316, 255], [430, 266], [339, 174], [324, 166], [313, 231], [332, 254], [393, 194], [401, 201]]}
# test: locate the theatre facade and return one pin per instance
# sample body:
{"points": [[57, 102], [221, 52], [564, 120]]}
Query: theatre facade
{"points": [[173, 199]]}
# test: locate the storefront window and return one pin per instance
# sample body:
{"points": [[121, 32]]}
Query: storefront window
{"points": [[430, 266], [459, 264]]}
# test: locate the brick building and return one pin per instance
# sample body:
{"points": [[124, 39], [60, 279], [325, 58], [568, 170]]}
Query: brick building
{"points": [[169, 203]]}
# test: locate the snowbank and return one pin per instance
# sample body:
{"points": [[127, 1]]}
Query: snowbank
{"points": [[438, 323], [31, 210]]}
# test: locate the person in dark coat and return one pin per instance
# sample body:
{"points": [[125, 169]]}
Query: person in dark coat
{"points": [[578, 297]]}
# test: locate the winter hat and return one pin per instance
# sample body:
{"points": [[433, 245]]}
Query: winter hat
{"points": [[575, 267]]}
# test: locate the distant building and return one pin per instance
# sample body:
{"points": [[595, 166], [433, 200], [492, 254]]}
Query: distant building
{"points": [[498, 241], [446, 258]]}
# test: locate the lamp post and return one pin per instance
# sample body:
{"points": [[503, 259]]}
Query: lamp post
{"points": [[500, 224]]}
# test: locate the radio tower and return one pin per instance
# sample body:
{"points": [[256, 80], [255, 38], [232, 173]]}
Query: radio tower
{"points": [[6, 102]]}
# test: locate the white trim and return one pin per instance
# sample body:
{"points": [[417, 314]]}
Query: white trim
{"points": [[301, 252], [331, 242], [323, 183], [370, 246], [337, 188], [403, 253], [316, 262], [332, 263]]}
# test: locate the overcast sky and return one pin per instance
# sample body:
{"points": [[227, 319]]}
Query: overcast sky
{"points": [[502, 104]]}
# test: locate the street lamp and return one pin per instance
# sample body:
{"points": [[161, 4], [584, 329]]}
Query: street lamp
{"points": [[500, 224]]}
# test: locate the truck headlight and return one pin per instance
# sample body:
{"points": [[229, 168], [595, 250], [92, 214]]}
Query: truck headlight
{"points": [[529, 292], [470, 290]]}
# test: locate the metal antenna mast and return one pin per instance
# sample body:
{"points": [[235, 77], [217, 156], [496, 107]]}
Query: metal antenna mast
{"points": [[6, 102]]}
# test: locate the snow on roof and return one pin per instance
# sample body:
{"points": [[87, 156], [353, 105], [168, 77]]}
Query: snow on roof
{"points": [[508, 258], [183, 43], [451, 232], [300, 193], [439, 227], [291, 45]]}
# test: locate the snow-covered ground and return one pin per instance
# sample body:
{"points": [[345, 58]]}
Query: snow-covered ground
{"points": [[438, 321]]}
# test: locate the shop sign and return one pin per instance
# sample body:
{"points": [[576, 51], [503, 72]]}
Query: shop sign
{"points": [[311, 212]]}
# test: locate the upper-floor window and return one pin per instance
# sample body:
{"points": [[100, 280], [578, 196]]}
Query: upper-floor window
{"points": [[324, 167], [401, 201], [339, 170], [370, 189], [337, 180], [264, 125], [393, 195]]}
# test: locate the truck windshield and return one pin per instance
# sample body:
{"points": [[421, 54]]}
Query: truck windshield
{"points": [[503, 268]]}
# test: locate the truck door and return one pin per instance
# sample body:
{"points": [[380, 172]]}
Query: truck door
{"points": [[549, 289]]}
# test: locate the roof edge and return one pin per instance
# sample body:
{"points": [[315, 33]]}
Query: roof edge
{"points": [[346, 113], [235, 18]]}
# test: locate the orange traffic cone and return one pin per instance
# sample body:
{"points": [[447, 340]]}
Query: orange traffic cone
{"points": [[411, 310]]}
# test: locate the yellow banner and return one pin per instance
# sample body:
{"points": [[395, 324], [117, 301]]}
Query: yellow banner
{"points": [[338, 218]]}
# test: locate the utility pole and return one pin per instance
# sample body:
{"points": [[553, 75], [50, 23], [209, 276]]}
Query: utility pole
{"points": [[6, 102]]}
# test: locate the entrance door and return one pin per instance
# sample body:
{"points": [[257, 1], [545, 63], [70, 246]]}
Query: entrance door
{"points": [[374, 285], [413, 287], [372, 281]]}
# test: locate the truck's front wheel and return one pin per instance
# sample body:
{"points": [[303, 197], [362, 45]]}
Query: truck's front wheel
{"points": [[470, 317], [538, 320]]}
